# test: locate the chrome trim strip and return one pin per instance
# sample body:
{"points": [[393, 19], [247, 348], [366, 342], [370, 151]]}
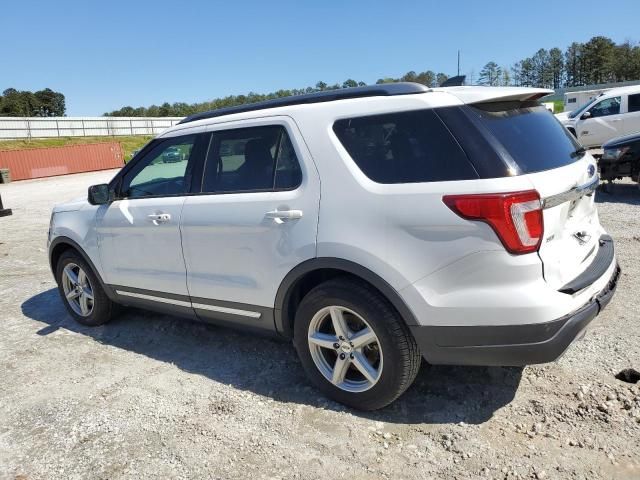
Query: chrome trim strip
{"points": [[181, 303], [232, 311], [575, 193], [154, 299]]}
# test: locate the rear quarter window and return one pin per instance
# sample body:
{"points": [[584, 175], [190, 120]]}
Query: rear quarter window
{"points": [[405, 147]]}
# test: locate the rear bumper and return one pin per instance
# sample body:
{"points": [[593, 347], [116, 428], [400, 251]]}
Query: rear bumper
{"points": [[510, 345]]}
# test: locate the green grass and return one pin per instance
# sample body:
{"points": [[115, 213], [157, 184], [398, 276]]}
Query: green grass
{"points": [[128, 143], [558, 106]]}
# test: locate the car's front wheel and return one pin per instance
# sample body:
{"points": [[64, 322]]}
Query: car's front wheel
{"points": [[81, 290], [354, 346]]}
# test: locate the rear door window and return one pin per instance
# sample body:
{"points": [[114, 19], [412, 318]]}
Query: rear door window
{"points": [[251, 159], [405, 147], [634, 103]]}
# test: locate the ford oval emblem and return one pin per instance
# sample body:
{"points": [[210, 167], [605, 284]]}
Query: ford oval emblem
{"points": [[591, 170]]}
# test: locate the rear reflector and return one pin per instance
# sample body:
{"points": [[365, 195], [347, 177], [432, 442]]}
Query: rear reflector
{"points": [[515, 217]]}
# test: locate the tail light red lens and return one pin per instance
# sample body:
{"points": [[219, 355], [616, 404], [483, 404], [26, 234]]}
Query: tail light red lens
{"points": [[515, 217]]}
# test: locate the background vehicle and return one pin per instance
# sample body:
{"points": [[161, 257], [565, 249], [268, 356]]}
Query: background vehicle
{"points": [[372, 226], [621, 158], [612, 114], [171, 155]]}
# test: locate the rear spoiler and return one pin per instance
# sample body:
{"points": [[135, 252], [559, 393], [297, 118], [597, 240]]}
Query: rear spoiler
{"points": [[454, 81], [494, 94]]}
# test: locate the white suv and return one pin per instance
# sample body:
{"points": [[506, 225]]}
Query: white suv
{"points": [[373, 226]]}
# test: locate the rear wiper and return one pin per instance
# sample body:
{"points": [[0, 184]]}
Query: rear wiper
{"points": [[578, 152]]}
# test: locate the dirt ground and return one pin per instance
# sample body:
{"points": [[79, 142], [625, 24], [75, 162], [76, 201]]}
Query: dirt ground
{"points": [[151, 396]]}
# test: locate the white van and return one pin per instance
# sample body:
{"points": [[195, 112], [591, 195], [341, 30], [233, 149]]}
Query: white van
{"points": [[612, 114]]}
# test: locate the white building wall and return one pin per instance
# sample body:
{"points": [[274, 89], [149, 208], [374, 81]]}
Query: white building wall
{"points": [[47, 127]]}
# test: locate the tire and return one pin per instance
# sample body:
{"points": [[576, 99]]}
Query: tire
{"points": [[392, 358], [88, 312]]}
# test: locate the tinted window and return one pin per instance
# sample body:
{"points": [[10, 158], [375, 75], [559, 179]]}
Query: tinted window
{"points": [[404, 147], [529, 133], [165, 170], [610, 106], [634, 103], [251, 159]]}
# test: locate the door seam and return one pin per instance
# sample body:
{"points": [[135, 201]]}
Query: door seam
{"points": [[184, 259]]}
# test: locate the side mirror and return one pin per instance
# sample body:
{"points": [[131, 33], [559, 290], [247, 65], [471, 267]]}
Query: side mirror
{"points": [[585, 115], [99, 194]]}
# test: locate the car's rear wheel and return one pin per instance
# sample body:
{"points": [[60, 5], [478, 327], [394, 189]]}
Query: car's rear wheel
{"points": [[81, 290], [354, 346]]}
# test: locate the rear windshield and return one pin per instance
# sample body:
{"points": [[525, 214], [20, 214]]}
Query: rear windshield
{"points": [[529, 134]]}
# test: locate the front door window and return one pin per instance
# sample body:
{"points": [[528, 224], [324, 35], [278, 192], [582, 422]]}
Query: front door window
{"points": [[164, 171], [610, 106]]}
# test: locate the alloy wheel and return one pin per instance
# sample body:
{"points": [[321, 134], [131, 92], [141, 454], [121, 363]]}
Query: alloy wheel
{"points": [[345, 349], [77, 289]]}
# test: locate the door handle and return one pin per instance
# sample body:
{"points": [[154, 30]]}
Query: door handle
{"points": [[159, 218], [280, 216]]}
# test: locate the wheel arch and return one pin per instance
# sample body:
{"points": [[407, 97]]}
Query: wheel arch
{"points": [[312, 272], [61, 244]]}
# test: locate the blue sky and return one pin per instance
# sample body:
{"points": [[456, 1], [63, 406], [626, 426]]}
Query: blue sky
{"points": [[105, 55]]}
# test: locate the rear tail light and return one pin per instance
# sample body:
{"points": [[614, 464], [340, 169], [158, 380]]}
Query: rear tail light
{"points": [[515, 217]]}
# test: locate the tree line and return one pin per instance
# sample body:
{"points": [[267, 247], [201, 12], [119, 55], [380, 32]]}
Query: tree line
{"points": [[43, 103], [600, 60], [181, 109]]}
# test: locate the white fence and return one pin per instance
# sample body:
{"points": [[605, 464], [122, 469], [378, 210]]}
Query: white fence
{"points": [[47, 127]]}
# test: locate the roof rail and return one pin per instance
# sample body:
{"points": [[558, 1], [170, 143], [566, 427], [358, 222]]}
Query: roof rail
{"points": [[381, 90]]}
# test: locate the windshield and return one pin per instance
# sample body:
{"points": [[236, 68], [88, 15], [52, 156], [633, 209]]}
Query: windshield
{"points": [[581, 109], [529, 134]]}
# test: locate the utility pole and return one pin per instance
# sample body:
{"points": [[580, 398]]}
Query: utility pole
{"points": [[458, 62]]}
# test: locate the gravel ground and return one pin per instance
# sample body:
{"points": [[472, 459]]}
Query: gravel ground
{"points": [[151, 396]]}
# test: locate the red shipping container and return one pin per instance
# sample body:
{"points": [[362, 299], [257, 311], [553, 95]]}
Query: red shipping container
{"points": [[47, 162]]}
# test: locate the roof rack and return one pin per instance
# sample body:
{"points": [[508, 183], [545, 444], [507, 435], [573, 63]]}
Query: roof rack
{"points": [[381, 90]]}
